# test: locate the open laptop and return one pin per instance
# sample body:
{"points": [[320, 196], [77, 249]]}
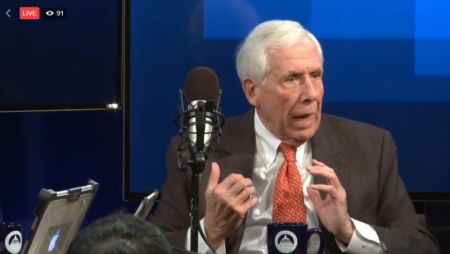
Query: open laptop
{"points": [[146, 205], [59, 215]]}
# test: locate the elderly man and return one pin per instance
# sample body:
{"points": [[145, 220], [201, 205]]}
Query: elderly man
{"points": [[341, 174]]}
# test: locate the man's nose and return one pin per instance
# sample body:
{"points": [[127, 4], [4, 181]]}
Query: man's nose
{"points": [[310, 90]]}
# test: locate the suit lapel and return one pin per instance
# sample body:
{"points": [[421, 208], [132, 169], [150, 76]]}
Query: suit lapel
{"points": [[326, 148], [236, 147]]}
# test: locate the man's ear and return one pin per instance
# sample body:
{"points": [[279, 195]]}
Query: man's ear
{"points": [[250, 88]]}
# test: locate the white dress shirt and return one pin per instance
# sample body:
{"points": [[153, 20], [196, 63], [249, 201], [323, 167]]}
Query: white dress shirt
{"points": [[267, 162]]}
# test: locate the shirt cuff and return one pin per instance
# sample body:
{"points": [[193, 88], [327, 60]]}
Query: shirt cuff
{"points": [[364, 240], [202, 246]]}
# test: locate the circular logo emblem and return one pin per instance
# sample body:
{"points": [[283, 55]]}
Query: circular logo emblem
{"points": [[13, 242], [285, 241]]}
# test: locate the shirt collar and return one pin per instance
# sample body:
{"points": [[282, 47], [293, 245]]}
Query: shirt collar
{"points": [[267, 143], [266, 140]]}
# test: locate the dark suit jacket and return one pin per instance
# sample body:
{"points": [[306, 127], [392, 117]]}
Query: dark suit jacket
{"points": [[363, 157]]}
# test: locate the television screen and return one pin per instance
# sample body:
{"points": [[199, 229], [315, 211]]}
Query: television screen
{"points": [[60, 54], [385, 66]]}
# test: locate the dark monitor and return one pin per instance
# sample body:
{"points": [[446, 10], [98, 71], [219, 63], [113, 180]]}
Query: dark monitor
{"points": [[60, 54], [384, 66]]}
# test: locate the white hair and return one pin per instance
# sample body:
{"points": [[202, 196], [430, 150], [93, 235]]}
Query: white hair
{"points": [[251, 58]]}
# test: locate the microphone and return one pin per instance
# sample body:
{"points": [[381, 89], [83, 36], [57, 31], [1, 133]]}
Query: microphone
{"points": [[200, 124], [201, 88]]}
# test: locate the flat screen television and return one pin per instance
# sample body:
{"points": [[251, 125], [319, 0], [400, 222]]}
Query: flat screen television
{"points": [[60, 54], [385, 66]]}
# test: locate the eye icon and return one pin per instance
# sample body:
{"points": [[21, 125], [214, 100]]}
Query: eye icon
{"points": [[49, 13]]}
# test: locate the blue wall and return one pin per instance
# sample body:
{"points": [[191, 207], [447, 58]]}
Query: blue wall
{"points": [[59, 151]]}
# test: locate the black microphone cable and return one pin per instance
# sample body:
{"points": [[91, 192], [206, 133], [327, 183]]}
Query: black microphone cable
{"points": [[202, 234]]}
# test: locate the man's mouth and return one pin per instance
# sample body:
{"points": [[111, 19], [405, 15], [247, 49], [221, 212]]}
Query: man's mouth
{"points": [[302, 116]]}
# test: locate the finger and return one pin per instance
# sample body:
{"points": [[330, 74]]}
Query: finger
{"points": [[325, 188], [326, 172], [317, 162], [230, 180], [314, 195], [213, 177], [320, 165], [239, 186], [245, 194], [249, 203]]}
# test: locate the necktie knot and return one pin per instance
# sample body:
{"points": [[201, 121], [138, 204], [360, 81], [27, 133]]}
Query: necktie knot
{"points": [[288, 152]]}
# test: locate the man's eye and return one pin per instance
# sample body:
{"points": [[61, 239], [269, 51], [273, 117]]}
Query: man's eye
{"points": [[291, 78], [316, 74]]}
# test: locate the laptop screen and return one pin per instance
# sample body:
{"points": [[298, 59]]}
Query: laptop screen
{"points": [[58, 219]]}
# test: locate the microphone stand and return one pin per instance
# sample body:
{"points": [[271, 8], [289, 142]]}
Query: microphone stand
{"points": [[197, 168], [197, 165], [198, 152]]}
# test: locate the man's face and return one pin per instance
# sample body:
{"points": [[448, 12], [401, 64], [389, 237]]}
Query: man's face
{"points": [[289, 98]]}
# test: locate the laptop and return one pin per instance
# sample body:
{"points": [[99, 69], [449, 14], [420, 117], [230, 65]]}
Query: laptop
{"points": [[59, 215], [146, 205]]}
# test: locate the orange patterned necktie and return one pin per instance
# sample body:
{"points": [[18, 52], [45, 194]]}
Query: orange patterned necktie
{"points": [[288, 200]]}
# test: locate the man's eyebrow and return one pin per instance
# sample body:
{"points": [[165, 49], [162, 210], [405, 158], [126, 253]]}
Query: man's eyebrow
{"points": [[295, 73]]}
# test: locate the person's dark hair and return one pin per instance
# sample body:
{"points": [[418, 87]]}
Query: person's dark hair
{"points": [[120, 234]]}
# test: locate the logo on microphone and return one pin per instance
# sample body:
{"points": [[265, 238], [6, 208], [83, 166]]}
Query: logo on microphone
{"points": [[285, 241]]}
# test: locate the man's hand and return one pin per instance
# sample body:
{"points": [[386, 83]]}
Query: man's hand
{"points": [[332, 211], [226, 204]]}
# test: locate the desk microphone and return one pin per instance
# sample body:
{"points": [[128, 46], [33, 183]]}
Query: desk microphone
{"points": [[199, 124]]}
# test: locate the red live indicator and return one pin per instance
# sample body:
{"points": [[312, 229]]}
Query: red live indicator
{"points": [[29, 13]]}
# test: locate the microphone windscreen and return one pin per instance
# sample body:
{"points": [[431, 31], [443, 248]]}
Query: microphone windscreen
{"points": [[201, 83]]}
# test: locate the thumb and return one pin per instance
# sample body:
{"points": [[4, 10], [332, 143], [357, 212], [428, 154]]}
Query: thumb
{"points": [[314, 195], [213, 177]]}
